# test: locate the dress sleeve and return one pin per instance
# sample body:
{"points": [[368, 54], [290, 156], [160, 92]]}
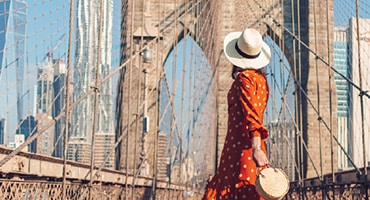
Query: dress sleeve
{"points": [[252, 105]]}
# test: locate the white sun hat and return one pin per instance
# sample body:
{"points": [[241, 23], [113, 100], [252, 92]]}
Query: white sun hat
{"points": [[247, 49]]}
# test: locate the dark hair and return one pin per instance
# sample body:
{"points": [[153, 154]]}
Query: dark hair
{"points": [[237, 69]]}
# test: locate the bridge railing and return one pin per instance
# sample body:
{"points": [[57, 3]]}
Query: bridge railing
{"points": [[348, 184], [34, 176]]}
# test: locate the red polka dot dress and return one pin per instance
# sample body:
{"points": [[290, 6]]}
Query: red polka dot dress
{"points": [[237, 172]]}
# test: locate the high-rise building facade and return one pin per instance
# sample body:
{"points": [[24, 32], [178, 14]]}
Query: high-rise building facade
{"points": [[44, 108], [359, 103], [45, 91], [4, 15], [18, 140], [87, 65], [59, 86], [27, 127], [79, 149], [12, 51], [45, 141], [103, 151], [341, 64]]}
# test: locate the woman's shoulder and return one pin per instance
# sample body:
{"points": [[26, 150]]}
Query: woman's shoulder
{"points": [[248, 73], [251, 77]]}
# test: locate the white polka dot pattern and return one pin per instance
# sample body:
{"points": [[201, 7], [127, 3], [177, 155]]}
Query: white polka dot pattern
{"points": [[247, 100]]}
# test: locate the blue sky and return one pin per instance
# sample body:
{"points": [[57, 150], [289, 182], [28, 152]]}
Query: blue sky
{"points": [[188, 70], [345, 9]]}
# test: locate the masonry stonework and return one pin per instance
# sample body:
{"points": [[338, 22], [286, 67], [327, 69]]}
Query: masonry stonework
{"points": [[208, 31]]}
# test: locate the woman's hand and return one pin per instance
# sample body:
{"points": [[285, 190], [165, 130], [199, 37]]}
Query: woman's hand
{"points": [[258, 155]]}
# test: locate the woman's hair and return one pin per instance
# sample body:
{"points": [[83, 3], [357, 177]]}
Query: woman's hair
{"points": [[237, 69]]}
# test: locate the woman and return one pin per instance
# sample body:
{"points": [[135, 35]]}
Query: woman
{"points": [[244, 152]]}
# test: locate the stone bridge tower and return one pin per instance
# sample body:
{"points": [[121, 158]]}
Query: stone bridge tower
{"points": [[291, 26]]}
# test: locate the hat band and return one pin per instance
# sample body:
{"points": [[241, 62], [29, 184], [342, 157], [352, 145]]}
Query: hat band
{"points": [[244, 54]]}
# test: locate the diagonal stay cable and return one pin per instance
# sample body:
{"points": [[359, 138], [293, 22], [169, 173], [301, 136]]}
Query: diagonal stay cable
{"points": [[82, 97], [362, 92], [320, 118], [295, 124]]}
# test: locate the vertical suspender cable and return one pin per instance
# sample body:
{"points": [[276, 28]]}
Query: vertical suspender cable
{"points": [[317, 84], [128, 130], [176, 120], [176, 127], [284, 106], [172, 93], [120, 86], [96, 98], [69, 71], [298, 108], [361, 95], [298, 74], [158, 69], [137, 115], [328, 36], [360, 80], [182, 124], [191, 99]]}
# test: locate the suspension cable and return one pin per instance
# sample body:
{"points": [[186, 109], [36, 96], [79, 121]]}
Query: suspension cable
{"points": [[67, 111], [361, 92], [328, 36], [336, 140], [96, 99], [296, 126]]}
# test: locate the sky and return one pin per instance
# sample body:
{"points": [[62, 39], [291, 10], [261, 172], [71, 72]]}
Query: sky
{"points": [[191, 75], [345, 9]]}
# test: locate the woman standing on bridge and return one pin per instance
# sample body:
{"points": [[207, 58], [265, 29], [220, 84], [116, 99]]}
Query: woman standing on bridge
{"points": [[244, 152]]}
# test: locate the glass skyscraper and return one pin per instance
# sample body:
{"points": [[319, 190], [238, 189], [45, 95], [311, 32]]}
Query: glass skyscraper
{"points": [[12, 51], [86, 67], [59, 86], [4, 15], [341, 64]]}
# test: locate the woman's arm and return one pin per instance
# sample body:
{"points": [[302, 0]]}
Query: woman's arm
{"points": [[258, 155]]}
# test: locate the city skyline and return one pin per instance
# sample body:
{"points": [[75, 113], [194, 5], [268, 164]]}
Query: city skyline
{"points": [[12, 63], [46, 76]]}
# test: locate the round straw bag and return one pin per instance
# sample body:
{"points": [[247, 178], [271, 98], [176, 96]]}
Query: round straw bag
{"points": [[272, 184]]}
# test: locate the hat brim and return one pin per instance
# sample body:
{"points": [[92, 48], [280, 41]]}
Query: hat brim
{"points": [[245, 63]]}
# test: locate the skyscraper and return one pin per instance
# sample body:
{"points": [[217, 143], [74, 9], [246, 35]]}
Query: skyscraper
{"points": [[341, 64], [27, 128], [360, 73], [12, 51], [86, 67], [45, 92], [4, 15], [44, 107], [60, 70]]}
